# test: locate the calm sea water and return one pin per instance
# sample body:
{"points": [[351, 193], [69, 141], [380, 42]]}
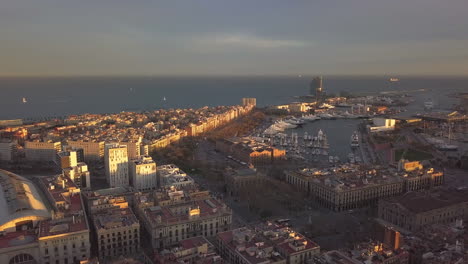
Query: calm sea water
{"points": [[63, 96]]}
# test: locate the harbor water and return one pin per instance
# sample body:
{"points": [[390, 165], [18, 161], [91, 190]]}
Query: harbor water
{"points": [[47, 97]]}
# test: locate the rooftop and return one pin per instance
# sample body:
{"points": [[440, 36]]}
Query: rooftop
{"points": [[188, 210], [114, 218], [17, 238], [264, 242], [69, 215], [198, 249], [419, 202], [19, 199], [352, 176]]}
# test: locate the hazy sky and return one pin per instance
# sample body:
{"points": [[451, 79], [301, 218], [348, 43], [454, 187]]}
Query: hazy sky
{"points": [[236, 37]]}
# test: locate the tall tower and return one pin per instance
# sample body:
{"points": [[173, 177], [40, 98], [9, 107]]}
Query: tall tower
{"points": [[143, 173], [317, 88], [116, 161]]}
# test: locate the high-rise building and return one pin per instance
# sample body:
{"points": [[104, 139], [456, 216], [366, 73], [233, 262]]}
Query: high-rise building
{"points": [[143, 173], [316, 88], [116, 163], [249, 102]]}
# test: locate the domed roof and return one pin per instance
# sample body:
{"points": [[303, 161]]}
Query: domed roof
{"points": [[19, 201]]}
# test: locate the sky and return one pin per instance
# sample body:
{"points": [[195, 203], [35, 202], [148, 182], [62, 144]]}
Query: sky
{"points": [[236, 37]]}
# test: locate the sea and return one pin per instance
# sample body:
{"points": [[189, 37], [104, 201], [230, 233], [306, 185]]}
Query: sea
{"points": [[58, 97]]}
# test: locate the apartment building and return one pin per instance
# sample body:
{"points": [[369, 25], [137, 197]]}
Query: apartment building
{"points": [[116, 164], [169, 175], [92, 150], [352, 186], [172, 215], [265, 243], [143, 175], [42, 151], [117, 232], [64, 239]]}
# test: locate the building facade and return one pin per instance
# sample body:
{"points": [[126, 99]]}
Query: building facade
{"points": [[415, 210], [92, 150], [116, 164], [64, 239], [143, 175], [241, 182], [175, 215], [133, 148], [351, 187], [117, 232], [42, 151], [79, 174]]}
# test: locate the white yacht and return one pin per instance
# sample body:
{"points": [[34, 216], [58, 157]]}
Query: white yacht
{"points": [[295, 121], [310, 117], [326, 116], [285, 125]]}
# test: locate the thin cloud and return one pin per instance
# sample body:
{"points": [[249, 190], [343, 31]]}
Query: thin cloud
{"points": [[248, 41]]}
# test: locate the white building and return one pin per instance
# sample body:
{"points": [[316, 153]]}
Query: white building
{"points": [[79, 174], [116, 161], [143, 173], [170, 175]]}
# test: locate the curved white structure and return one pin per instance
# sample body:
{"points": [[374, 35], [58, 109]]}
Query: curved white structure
{"points": [[20, 202]]}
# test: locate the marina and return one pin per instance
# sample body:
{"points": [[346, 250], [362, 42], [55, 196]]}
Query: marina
{"points": [[317, 139]]}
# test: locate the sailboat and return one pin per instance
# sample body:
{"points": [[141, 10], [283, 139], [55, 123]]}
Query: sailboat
{"points": [[164, 99]]}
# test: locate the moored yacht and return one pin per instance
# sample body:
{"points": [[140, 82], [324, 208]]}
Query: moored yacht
{"points": [[310, 117]]}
